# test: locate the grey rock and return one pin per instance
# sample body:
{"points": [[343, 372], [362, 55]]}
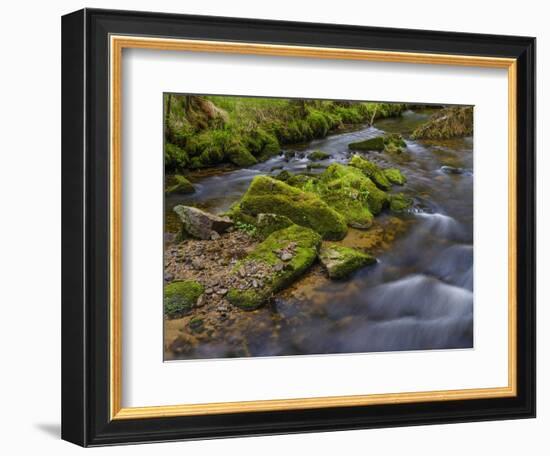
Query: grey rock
{"points": [[286, 256], [201, 224]]}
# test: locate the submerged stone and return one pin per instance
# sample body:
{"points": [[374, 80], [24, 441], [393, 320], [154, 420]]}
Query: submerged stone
{"points": [[340, 262], [452, 170], [297, 244], [180, 297], [201, 224], [267, 195]]}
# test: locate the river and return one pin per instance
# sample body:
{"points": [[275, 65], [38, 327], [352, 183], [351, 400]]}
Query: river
{"points": [[419, 295]]}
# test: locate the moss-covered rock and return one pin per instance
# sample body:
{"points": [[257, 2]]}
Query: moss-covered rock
{"points": [[180, 185], [180, 297], [340, 262], [318, 155], [240, 156], [351, 193], [368, 144], [395, 176], [400, 202], [451, 122], [395, 139], [267, 195], [269, 223], [273, 265], [371, 170]]}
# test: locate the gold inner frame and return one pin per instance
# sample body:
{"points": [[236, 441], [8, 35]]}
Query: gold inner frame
{"points": [[117, 44]]}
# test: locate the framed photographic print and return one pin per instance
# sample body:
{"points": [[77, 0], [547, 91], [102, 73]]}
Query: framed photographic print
{"points": [[278, 227]]}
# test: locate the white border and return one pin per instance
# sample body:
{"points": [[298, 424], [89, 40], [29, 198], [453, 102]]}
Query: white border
{"points": [[149, 381]]}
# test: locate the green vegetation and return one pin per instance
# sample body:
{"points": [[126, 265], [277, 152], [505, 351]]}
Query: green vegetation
{"points": [[451, 122], [371, 170], [247, 228], [179, 184], [269, 223], [340, 262], [318, 155], [204, 131], [267, 195], [180, 297], [368, 144], [395, 176], [399, 202], [302, 245]]}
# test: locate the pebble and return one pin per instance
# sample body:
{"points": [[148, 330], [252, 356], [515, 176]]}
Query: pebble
{"points": [[279, 267], [214, 236], [168, 277], [286, 256], [197, 264], [222, 291], [200, 302], [209, 291], [255, 283]]}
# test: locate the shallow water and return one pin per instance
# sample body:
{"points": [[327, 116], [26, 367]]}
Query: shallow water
{"points": [[420, 293]]}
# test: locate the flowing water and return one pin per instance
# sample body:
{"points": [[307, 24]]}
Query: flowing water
{"points": [[420, 293]]}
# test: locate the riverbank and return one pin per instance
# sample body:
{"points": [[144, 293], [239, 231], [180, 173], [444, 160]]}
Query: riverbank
{"points": [[206, 131]]}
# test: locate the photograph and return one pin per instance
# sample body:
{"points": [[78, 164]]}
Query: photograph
{"points": [[316, 226]]}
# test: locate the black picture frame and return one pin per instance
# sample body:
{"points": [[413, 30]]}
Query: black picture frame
{"points": [[85, 224]]}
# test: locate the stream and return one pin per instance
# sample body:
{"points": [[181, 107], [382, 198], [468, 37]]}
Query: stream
{"points": [[419, 295]]}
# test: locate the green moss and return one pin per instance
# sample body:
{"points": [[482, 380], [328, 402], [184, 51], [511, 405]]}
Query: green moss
{"points": [[340, 262], [246, 299], [399, 202], [180, 297], [175, 158], [269, 223], [395, 176], [372, 171], [240, 156], [347, 191], [368, 144], [180, 185], [267, 195], [318, 155], [303, 242], [394, 138], [196, 324]]}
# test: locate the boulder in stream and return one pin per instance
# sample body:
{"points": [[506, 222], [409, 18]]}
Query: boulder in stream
{"points": [[340, 262], [368, 144], [395, 176]]}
